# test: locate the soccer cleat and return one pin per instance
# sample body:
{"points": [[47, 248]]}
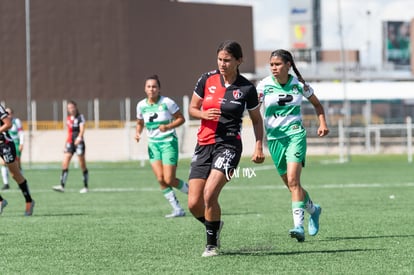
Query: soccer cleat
{"points": [[5, 187], [59, 188], [298, 233], [3, 204], [29, 208], [313, 226], [211, 250], [84, 190], [176, 213], [218, 233]]}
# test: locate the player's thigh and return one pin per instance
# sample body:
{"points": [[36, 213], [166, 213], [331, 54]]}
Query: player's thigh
{"points": [[157, 169]]}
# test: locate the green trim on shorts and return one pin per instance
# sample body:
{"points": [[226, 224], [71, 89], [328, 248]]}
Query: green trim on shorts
{"points": [[166, 152]]}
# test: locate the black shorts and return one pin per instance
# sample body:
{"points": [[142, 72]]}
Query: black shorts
{"points": [[8, 151], [71, 148], [220, 156]]}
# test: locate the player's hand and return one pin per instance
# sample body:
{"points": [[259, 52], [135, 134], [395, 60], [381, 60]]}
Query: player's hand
{"points": [[211, 114], [137, 137], [258, 157], [323, 131], [163, 128]]}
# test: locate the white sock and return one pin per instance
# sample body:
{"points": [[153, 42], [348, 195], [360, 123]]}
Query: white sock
{"points": [[5, 174], [170, 196], [298, 213]]}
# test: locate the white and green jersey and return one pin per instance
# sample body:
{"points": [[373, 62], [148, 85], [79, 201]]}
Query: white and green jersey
{"points": [[282, 106], [156, 114], [16, 132]]}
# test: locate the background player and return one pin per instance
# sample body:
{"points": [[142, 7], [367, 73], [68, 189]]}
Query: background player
{"points": [[75, 142], [161, 115], [8, 154], [17, 134]]}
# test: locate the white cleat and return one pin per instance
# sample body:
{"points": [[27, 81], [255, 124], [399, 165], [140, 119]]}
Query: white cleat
{"points": [[59, 188], [176, 213], [210, 251], [84, 190]]}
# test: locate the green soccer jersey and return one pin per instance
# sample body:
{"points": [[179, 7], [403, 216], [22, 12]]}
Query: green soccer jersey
{"points": [[155, 115], [282, 106], [16, 132]]}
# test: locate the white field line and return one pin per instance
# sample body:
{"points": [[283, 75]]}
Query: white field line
{"points": [[235, 186]]}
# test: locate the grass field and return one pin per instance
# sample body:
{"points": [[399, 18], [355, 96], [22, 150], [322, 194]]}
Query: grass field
{"points": [[119, 227]]}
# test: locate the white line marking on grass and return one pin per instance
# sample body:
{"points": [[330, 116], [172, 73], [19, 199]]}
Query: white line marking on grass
{"points": [[235, 186]]}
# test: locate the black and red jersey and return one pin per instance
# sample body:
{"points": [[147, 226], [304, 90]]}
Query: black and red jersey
{"points": [[232, 101], [73, 124]]}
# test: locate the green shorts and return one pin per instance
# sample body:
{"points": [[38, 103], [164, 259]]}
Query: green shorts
{"points": [[18, 152], [288, 149], [167, 152]]}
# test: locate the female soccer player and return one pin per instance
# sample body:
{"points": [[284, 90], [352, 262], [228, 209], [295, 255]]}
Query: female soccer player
{"points": [[282, 95], [8, 154], [219, 101], [17, 134], [75, 142], [161, 115]]}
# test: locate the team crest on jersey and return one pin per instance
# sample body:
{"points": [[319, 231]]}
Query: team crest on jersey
{"points": [[295, 89], [237, 94], [212, 89]]}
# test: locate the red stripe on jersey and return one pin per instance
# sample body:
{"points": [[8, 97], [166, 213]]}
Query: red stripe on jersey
{"points": [[213, 96]]}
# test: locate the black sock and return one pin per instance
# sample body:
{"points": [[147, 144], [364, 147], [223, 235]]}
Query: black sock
{"points": [[25, 190], [202, 219], [64, 177], [85, 178], [211, 232], [1, 198]]}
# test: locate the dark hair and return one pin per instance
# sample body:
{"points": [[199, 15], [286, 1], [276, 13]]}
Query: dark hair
{"points": [[232, 47], [287, 57], [74, 104], [154, 77]]}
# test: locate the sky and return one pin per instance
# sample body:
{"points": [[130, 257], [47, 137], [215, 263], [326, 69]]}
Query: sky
{"points": [[360, 31]]}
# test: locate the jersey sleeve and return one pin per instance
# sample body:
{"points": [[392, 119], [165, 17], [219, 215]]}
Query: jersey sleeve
{"points": [[172, 106], [252, 99], [201, 84], [138, 110], [307, 92], [260, 91], [82, 119]]}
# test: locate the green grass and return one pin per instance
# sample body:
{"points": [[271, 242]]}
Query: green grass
{"points": [[119, 227]]}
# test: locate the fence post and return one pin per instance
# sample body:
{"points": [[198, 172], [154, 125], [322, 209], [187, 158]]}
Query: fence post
{"points": [[96, 112], [184, 129], [341, 139], [409, 139], [128, 127], [64, 112]]}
